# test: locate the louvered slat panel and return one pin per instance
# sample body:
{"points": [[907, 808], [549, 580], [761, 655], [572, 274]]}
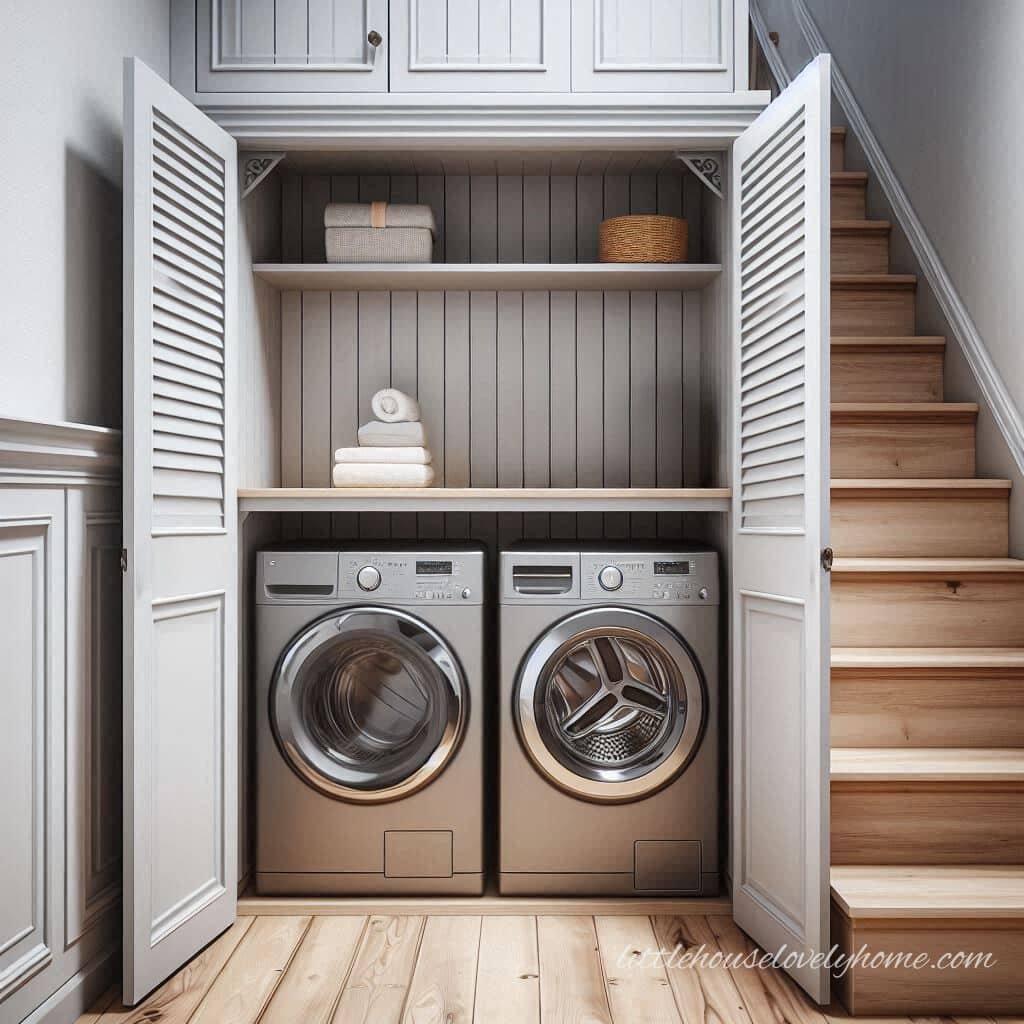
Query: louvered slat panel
{"points": [[188, 332], [772, 374]]}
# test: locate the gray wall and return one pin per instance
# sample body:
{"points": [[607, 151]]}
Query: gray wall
{"points": [[60, 200]]}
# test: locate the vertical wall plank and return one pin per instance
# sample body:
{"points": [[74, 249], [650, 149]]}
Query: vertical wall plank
{"points": [[642, 404], [563, 219], [589, 214], [536, 219], [669, 345], [483, 206], [693, 206], [404, 374], [510, 219], [589, 402], [430, 190], [457, 219], [483, 404], [430, 378], [291, 402], [615, 443], [344, 396], [563, 405], [689, 380], [374, 374], [509, 404], [316, 404], [374, 188], [316, 193], [456, 404], [291, 218], [536, 403]]}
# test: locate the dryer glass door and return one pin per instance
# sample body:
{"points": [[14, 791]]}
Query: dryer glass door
{"points": [[611, 704], [368, 704]]}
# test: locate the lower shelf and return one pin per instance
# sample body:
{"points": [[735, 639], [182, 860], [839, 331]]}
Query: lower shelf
{"points": [[488, 904], [485, 499]]}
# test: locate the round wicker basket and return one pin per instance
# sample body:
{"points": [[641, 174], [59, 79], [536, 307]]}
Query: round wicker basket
{"points": [[642, 238]]}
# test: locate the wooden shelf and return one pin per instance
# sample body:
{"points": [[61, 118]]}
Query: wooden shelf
{"points": [[487, 276], [484, 499]]}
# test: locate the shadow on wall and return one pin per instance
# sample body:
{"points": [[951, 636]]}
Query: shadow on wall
{"points": [[92, 292]]}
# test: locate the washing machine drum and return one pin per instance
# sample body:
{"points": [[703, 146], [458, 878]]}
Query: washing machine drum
{"points": [[368, 704], [610, 704]]}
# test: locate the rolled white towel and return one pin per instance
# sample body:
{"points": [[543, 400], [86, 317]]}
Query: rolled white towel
{"points": [[393, 406], [376, 474], [394, 456], [392, 435]]}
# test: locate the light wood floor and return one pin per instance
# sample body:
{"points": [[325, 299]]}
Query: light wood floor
{"points": [[452, 969]]}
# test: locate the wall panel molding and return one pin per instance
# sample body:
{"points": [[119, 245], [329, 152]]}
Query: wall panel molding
{"points": [[39, 453]]}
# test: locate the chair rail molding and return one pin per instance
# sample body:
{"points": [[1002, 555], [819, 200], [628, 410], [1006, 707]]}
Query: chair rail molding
{"points": [[38, 453], [997, 397]]}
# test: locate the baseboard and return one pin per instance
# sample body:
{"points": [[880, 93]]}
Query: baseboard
{"points": [[992, 388], [79, 992]]}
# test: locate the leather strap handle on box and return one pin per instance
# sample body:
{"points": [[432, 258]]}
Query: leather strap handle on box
{"points": [[377, 214]]}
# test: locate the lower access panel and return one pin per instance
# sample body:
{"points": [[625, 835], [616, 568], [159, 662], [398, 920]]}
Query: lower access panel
{"points": [[416, 854], [661, 865]]}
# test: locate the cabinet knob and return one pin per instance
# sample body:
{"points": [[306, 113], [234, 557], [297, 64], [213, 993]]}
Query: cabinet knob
{"points": [[374, 38]]}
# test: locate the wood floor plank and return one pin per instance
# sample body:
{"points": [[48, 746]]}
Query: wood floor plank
{"points": [[638, 988], [310, 988], [378, 983], [243, 988], [508, 971], [444, 981], [571, 980], [769, 995], [704, 994], [176, 1000], [100, 1005]]}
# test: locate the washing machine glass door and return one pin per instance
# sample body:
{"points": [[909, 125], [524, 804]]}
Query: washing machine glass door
{"points": [[368, 704], [610, 704]]}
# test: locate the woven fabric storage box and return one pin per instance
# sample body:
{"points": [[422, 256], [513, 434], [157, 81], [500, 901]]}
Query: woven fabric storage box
{"points": [[642, 238], [379, 233]]}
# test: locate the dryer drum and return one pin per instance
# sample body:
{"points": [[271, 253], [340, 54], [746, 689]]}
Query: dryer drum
{"points": [[368, 704]]}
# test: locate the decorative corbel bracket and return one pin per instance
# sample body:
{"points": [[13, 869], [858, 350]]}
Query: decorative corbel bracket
{"points": [[255, 168], [707, 167]]}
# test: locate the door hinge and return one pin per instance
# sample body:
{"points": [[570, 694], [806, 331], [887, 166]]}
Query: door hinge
{"points": [[124, 559], [826, 559]]}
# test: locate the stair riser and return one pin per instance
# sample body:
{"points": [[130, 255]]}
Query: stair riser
{"points": [[902, 448], [967, 992], [920, 527], [866, 253], [927, 611], [872, 312], [932, 823], [838, 155], [876, 709], [886, 376], [849, 200]]}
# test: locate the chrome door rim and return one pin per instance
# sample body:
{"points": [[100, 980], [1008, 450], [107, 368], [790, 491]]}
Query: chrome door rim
{"points": [[533, 671], [302, 754]]}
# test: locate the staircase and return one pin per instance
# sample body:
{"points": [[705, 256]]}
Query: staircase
{"points": [[927, 657]]}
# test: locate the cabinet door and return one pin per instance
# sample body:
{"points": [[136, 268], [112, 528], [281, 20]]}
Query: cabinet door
{"points": [[180, 531], [287, 46], [779, 198], [480, 45], [658, 45]]}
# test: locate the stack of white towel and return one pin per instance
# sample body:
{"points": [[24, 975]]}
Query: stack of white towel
{"points": [[392, 448]]}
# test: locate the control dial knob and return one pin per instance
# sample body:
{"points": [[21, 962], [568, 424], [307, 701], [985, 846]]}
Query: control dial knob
{"points": [[368, 578], [610, 577]]}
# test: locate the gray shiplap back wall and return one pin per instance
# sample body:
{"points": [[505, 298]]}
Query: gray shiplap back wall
{"points": [[517, 388]]}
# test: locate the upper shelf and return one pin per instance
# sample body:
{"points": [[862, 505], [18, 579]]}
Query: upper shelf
{"points": [[488, 276]]}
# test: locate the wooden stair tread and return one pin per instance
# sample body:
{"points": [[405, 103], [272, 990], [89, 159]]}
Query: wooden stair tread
{"points": [[937, 891], [931, 764], [936, 566], [860, 227], [924, 484], [920, 411], [874, 281], [928, 657], [839, 132], [912, 343], [849, 177]]}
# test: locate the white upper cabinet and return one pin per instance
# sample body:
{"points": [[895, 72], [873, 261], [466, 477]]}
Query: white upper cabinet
{"points": [[289, 46], [658, 45], [480, 45]]}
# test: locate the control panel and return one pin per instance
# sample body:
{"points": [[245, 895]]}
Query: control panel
{"points": [[677, 578]]}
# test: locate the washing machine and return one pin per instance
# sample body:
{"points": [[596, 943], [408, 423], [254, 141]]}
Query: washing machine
{"points": [[609, 777], [369, 690]]}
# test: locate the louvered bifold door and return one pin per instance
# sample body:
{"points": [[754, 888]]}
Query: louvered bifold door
{"points": [[779, 195], [180, 706]]}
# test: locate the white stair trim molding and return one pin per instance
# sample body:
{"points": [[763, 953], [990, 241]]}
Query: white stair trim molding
{"points": [[40, 453], [993, 388]]}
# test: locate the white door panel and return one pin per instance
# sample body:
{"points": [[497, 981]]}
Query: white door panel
{"points": [[780, 695], [180, 699]]}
